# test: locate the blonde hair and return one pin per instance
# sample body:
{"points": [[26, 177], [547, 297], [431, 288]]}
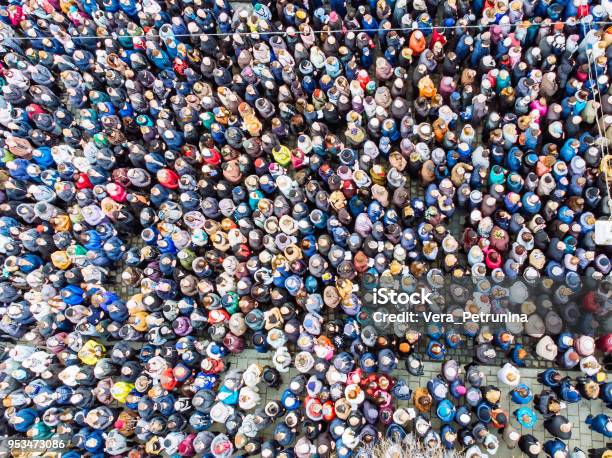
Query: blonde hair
{"points": [[408, 448]]}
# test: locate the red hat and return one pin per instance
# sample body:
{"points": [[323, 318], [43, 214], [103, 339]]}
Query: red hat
{"points": [[116, 191], [83, 181], [168, 178], [329, 411], [604, 343], [211, 156], [167, 379]]}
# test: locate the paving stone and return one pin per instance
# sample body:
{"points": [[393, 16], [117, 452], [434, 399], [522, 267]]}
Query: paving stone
{"points": [[572, 409], [583, 437]]}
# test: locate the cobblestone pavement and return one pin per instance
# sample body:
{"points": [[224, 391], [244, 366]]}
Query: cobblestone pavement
{"points": [[582, 436]]}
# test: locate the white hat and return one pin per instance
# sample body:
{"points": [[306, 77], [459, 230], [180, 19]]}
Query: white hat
{"points": [[304, 361], [590, 365], [248, 398], [585, 345], [547, 349], [220, 412]]}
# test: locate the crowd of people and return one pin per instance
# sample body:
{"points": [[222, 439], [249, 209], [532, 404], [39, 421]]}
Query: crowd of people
{"points": [[250, 174]]}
